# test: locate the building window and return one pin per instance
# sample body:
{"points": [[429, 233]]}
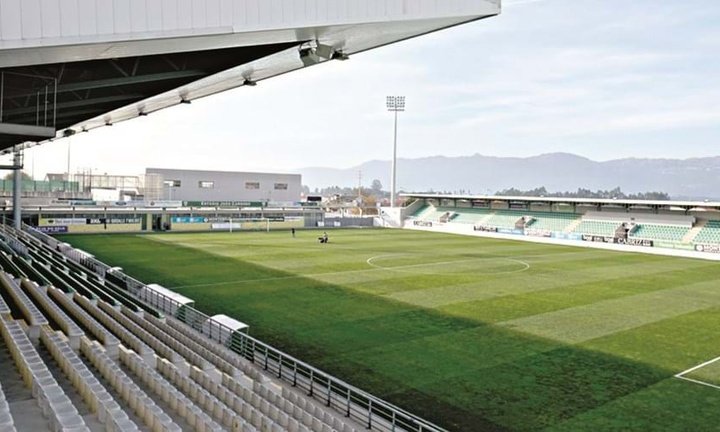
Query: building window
{"points": [[281, 186], [252, 185], [204, 184], [172, 183]]}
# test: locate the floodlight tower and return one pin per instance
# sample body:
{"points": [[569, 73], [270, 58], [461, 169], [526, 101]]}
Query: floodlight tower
{"points": [[395, 104]]}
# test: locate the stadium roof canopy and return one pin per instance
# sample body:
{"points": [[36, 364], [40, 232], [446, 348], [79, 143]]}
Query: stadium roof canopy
{"points": [[593, 202], [71, 66]]}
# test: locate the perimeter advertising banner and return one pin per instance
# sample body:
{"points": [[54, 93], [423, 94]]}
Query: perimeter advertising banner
{"points": [[598, 239], [54, 229], [510, 231], [485, 228], [538, 233], [189, 219], [636, 242], [674, 245], [64, 221], [707, 248], [567, 236], [223, 204]]}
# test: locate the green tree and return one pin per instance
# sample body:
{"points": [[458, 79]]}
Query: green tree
{"points": [[11, 176]]}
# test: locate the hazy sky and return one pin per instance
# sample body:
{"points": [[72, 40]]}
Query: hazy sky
{"points": [[599, 78]]}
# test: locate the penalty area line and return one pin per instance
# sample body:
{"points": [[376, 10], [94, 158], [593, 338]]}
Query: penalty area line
{"points": [[701, 365], [694, 381]]}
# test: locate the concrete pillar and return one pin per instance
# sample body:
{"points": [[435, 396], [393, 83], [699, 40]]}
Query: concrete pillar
{"points": [[17, 190]]}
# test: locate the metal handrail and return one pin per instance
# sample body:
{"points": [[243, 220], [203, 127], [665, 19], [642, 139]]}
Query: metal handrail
{"points": [[371, 411]]}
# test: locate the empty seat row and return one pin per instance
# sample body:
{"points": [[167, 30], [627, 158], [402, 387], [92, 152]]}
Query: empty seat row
{"points": [[598, 228], [5, 311], [710, 233], [98, 331], [163, 331], [289, 415], [269, 419], [207, 401], [129, 339], [307, 404], [67, 325], [100, 402], [142, 404], [183, 406], [159, 347], [7, 263], [7, 424], [660, 232], [26, 267], [218, 349], [56, 406], [29, 311], [186, 352]]}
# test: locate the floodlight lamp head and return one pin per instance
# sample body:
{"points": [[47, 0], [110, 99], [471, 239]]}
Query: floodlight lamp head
{"points": [[396, 103]]}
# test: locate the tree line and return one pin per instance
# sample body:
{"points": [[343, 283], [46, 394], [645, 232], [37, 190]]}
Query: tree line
{"points": [[616, 193]]}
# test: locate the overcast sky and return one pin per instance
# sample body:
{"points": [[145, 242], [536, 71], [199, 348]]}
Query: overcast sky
{"points": [[600, 78]]}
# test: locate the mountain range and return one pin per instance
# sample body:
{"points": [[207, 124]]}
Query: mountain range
{"points": [[697, 178]]}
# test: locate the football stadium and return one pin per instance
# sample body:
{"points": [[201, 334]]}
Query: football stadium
{"points": [[222, 312]]}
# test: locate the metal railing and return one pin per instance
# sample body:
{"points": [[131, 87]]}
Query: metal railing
{"points": [[366, 409]]}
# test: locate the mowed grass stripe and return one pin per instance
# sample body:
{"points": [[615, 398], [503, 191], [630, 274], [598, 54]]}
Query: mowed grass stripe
{"points": [[670, 405], [509, 307], [611, 316], [535, 280], [455, 369]]}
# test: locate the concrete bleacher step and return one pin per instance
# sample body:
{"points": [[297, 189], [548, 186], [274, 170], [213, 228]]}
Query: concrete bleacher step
{"points": [[118, 329], [54, 312], [211, 402], [30, 313], [22, 411], [159, 327], [485, 218], [139, 421], [67, 386], [233, 358], [109, 341], [5, 311], [57, 408], [100, 403], [133, 331], [694, 231], [176, 345], [136, 397], [180, 402], [573, 226]]}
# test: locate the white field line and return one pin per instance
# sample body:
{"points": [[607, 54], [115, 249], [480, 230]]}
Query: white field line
{"points": [[375, 267], [697, 382], [682, 374], [701, 365]]}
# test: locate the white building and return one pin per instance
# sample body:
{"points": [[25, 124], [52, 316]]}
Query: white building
{"points": [[224, 187]]}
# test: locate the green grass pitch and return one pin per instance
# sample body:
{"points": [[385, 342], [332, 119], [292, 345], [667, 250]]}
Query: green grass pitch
{"points": [[473, 334]]}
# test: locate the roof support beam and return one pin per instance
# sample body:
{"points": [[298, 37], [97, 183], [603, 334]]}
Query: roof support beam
{"points": [[26, 130], [80, 103]]}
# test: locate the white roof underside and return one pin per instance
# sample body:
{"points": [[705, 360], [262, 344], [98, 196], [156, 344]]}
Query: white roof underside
{"points": [[42, 32], [170, 294], [580, 201]]}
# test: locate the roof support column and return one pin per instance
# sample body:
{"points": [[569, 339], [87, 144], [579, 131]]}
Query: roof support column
{"points": [[17, 189]]}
